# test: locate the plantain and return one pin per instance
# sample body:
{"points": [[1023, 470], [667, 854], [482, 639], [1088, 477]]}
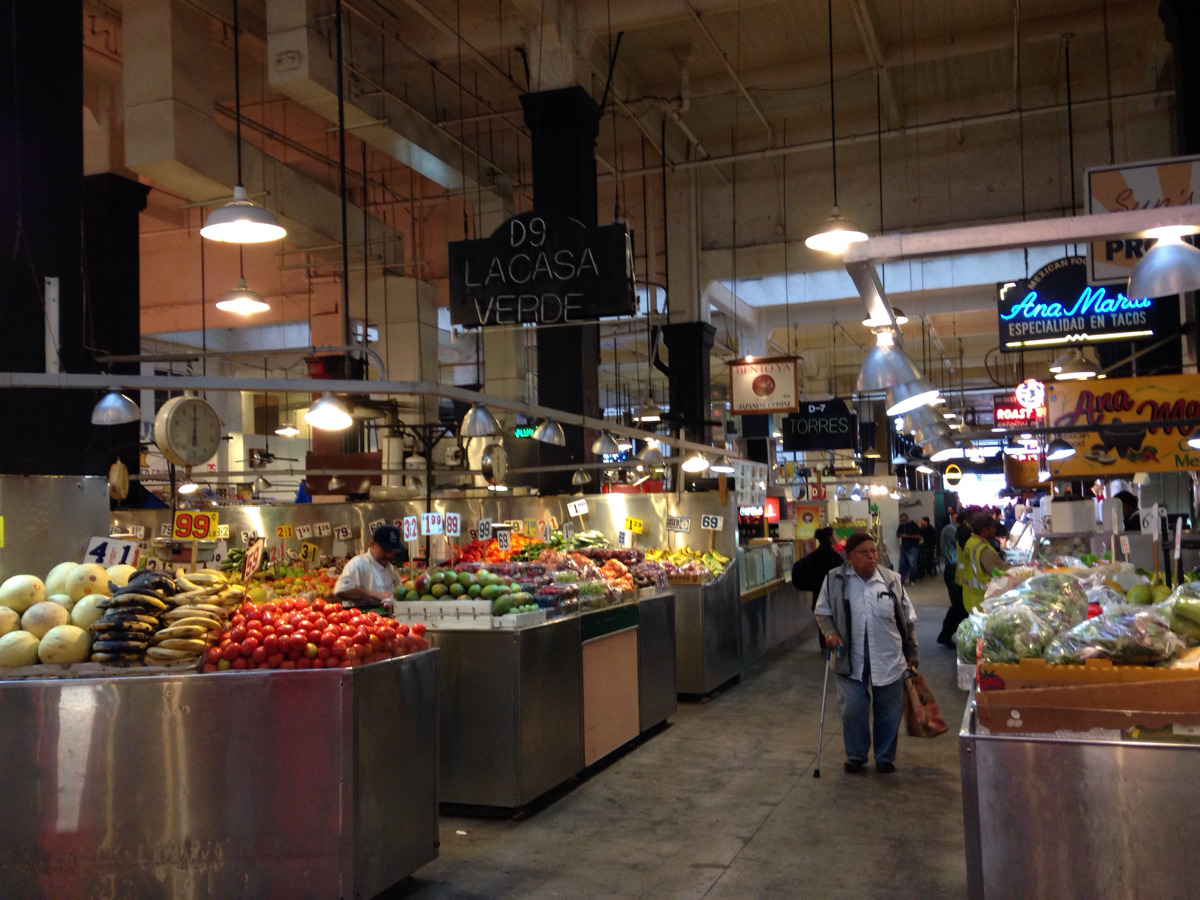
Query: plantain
{"points": [[202, 622], [140, 601], [161, 653], [117, 659], [124, 646], [181, 631], [191, 645]]}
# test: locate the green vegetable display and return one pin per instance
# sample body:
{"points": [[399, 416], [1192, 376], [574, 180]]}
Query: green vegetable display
{"points": [[1127, 634]]}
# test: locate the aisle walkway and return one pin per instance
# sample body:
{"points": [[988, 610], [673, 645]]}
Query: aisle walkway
{"points": [[723, 804]]}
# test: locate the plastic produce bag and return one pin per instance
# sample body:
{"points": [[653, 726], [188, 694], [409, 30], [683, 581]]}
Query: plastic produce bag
{"points": [[1012, 632], [1183, 614], [1059, 611], [1009, 580], [1105, 597], [966, 638], [1127, 634]]}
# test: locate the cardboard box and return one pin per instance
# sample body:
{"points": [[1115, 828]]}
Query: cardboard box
{"points": [[1130, 707], [1037, 673]]}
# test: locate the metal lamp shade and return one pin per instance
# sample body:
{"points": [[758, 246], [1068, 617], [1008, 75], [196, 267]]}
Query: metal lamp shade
{"points": [[579, 478], [1078, 368], [943, 448], [261, 484], [651, 455], [723, 466], [550, 432], [924, 418], [241, 221], [835, 234], [884, 368], [242, 300], [695, 463], [605, 445], [908, 397], [328, 414], [1169, 267], [479, 422], [1059, 449], [651, 412], [114, 408]]}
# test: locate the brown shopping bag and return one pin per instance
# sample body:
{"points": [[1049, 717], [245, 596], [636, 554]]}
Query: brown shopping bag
{"points": [[921, 713]]}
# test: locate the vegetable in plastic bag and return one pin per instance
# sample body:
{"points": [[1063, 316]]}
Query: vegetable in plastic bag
{"points": [[1106, 598], [1183, 613], [966, 638], [1058, 611], [1126, 634], [1012, 632]]}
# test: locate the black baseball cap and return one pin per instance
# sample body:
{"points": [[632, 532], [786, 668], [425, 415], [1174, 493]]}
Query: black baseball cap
{"points": [[388, 537]]}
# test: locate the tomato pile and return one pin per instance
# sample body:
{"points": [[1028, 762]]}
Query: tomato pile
{"points": [[295, 634]]}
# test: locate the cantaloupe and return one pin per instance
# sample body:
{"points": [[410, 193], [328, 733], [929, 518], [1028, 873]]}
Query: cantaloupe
{"points": [[18, 648], [120, 574], [85, 579], [86, 611], [41, 617], [9, 621], [22, 591], [56, 581], [65, 644]]}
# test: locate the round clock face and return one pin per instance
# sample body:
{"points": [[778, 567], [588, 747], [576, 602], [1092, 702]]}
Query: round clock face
{"points": [[187, 430]]}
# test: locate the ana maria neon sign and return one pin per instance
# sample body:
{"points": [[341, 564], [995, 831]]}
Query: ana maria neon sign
{"points": [[1091, 300]]}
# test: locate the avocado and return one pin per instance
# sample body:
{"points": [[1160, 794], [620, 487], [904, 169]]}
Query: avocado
{"points": [[466, 579], [412, 597], [436, 576], [490, 592], [456, 590], [438, 590], [500, 606], [475, 590]]}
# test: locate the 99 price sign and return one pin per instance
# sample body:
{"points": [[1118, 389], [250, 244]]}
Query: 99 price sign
{"points": [[193, 526]]}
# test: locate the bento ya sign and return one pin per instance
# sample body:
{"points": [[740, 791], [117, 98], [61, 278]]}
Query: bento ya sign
{"points": [[542, 269], [1057, 305]]}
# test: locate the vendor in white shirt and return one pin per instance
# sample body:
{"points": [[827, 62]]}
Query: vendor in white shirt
{"points": [[370, 578], [869, 622]]}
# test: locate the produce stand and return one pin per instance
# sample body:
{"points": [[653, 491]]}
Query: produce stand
{"points": [[1052, 815], [318, 783], [708, 649]]}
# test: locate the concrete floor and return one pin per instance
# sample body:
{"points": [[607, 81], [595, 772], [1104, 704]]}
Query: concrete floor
{"points": [[722, 803]]}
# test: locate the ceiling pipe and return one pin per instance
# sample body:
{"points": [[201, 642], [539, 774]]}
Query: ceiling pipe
{"points": [[190, 356]]}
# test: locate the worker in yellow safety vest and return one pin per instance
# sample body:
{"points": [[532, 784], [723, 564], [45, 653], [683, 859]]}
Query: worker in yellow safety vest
{"points": [[977, 560]]}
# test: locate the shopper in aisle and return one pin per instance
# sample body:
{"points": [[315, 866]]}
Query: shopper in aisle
{"points": [[1132, 518], [808, 574], [369, 579], [869, 623], [977, 559], [909, 534], [949, 549], [928, 553]]}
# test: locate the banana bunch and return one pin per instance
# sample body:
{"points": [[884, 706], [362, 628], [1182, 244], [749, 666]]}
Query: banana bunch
{"points": [[187, 632], [121, 636], [687, 558], [207, 586]]}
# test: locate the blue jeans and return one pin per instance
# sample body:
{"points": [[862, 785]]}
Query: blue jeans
{"points": [[886, 702], [910, 569]]}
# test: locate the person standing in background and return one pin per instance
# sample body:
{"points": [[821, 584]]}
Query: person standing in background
{"points": [[928, 552], [808, 574], [949, 547], [977, 559], [909, 535]]}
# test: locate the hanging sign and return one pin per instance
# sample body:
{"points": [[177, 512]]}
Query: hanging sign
{"points": [[764, 385], [1119, 444], [542, 268], [953, 475], [1140, 185], [820, 425], [1056, 305]]}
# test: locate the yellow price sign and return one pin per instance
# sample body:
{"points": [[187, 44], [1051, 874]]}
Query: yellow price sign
{"points": [[308, 552], [284, 531], [634, 525], [531, 527], [191, 525]]}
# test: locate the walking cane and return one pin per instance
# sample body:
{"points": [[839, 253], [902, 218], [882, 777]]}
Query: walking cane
{"points": [[821, 729]]}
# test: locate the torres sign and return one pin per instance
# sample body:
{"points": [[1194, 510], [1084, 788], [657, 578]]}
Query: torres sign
{"points": [[542, 268], [763, 385], [820, 425], [1119, 408]]}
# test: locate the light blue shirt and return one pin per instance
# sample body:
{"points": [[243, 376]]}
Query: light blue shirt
{"points": [[873, 618]]}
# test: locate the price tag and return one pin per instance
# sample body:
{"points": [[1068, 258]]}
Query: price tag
{"points": [[547, 533], [138, 531], [711, 523], [193, 526], [304, 532], [504, 539], [484, 529], [253, 560], [371, 526], [577, 508], [530, 527], [634, 525], [322, 529], [681, 524], [408, 526], [164, 530], [114, 529], [308, 552], [153, 564], [343, 533], [283, 532], [624, 538], [223, 532], [432, 523], [453, 524], [108, 552], [568, 531], [516, 525], [1125, 544]]}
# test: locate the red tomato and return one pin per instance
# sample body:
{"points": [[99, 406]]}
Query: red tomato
{"points": [[212, 655], [231, 651], [249, 645], [318, 663], [259, 655], [401, 629], [271, 643], [304, 663], [418, 629], [283, 630], [320, 623], [361, 636], [210, 667], [339, 647], [239, 663], [288, 664], [313, 635], [254, 633], [324, 652], [275, 660], [237, 619], [237, 634], [387, 633], [327, 638]]}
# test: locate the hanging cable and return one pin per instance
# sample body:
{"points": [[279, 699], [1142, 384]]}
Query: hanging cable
{"points": [[341, 113]]}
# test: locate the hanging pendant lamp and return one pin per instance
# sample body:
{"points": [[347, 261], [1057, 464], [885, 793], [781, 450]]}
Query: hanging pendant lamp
{"points": [[1169, 267], [836, 232], [242, 300], [1078, 367], [579, 478], [606, 444], [478, 422], [723, 466], [550, 432], [651, 455], [1059, 449], [649, 413], [114, 408], [240, 221], [328, 414]]}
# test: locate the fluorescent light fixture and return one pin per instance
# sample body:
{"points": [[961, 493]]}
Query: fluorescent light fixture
{"points": [[550, 432], [114, 408], [1059, 449], [328, 414], [287, 429], [242, 300], [240, 221], [695, 463], [906, 397], [835, 234], [478, 422], [723, 466]]}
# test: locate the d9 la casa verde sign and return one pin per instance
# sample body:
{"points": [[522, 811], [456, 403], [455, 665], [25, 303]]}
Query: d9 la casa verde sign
{"points": [[542, 268]]}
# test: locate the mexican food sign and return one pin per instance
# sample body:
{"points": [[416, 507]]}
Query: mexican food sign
{"points": [[1123, 440]]}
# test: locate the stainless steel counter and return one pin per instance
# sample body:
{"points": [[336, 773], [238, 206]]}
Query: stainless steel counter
{"points": [[233, 784], [1048, 816], [707, 634], [773, 618], [656, 660]]}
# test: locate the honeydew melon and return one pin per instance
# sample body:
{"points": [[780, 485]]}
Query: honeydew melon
{"points": [[64, 644], [18, 648], [86, 611], [88, 578], [22, 591], [41, 617], [9, 621]]}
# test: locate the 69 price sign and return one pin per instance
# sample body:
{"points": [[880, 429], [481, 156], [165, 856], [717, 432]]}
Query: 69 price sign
{"points": [[193, 526]]}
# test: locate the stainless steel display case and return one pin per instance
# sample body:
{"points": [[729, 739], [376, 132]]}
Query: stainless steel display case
{"points": [[708, 649], [49, 519], [772, 617], [231, 784], [656, 660], [1048, 816]]}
